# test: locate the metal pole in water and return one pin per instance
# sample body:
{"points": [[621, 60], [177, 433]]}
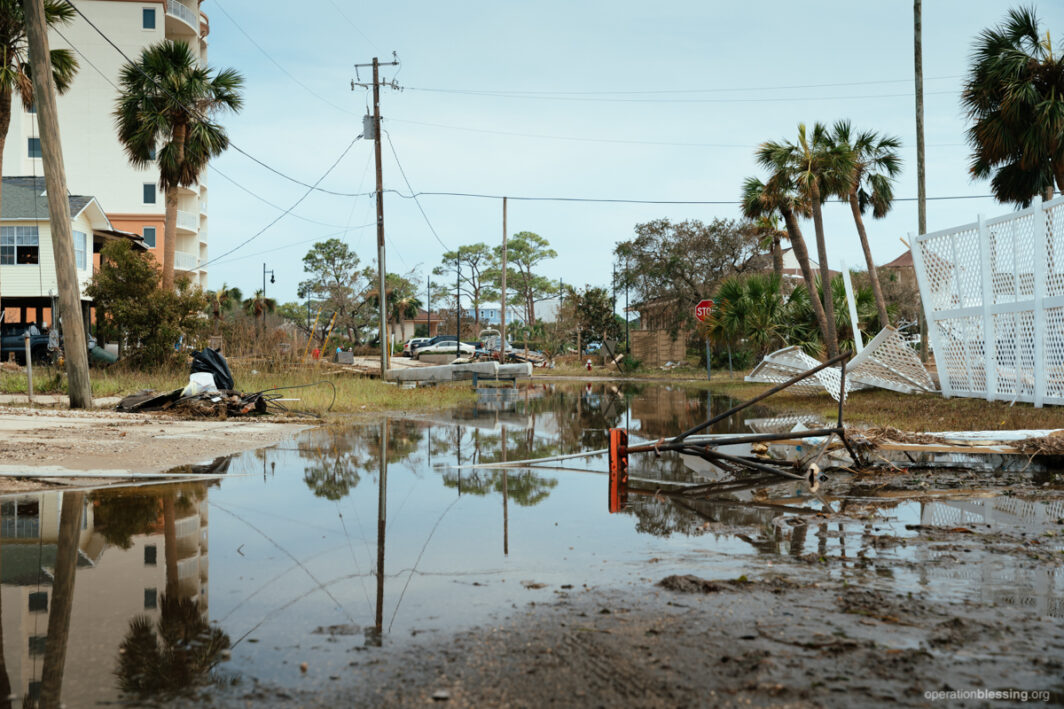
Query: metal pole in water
{"points": [[709, 373], [29, 365]]}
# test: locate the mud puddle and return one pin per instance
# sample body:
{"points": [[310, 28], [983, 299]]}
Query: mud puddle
{"points": [[262, 587]]}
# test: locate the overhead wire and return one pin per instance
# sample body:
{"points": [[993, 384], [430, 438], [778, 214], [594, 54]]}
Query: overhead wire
{"points": [[596, 99], [414, 195]]}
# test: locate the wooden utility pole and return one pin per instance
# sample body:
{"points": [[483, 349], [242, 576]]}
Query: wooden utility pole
{"points": [[921, 189], [381, 270], [502, 301], [74, 344]]}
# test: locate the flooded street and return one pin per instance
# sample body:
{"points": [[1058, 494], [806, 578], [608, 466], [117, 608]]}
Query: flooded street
{"points": [[263, 587]]}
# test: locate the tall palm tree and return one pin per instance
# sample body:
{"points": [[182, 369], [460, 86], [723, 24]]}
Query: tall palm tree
{"points": [[778, 194], [767, 227], [875, 165], [221, 301], [817, 167], [257, 306], [404, 308], [1014, 95], [15, 61], [167, 99]]}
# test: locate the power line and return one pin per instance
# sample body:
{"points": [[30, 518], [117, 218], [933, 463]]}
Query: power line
{"points": [[285, 213], [297, 243], [268, 202], [595, 99], [682, 91], [354, 26], [615, 141], [278, 65], [608, 200], [413, 194]]}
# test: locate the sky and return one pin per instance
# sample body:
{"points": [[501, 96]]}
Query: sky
{"points": [[661, 101]]}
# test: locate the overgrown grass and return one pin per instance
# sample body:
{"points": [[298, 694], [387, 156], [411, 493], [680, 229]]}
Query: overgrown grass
{"points": [[909, 412], [354, 394]]}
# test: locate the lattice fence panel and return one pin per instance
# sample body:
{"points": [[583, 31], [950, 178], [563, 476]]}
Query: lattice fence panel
{"points": [[993, 294]]}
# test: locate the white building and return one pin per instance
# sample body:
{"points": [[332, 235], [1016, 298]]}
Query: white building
{"points": [[27, 262], [95, 161]]}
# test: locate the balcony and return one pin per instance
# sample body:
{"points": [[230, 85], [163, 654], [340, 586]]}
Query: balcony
{"points": [[184, 261], [203, 207], [187, 222], [185, 15]]}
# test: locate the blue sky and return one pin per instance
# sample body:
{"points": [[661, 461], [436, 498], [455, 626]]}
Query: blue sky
{"points": [[656, 101]]}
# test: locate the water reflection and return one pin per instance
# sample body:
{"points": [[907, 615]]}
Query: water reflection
{"points": [[62, 638]]}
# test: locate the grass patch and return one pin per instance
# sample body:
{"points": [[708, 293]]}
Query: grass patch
{"points": [[353, 394], [908, 412]]}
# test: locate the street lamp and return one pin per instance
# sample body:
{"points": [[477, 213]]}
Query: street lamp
{"points": [[264, 272]]}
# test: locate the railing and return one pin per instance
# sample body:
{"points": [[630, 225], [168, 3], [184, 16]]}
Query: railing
{"points": [[184, 261], [203, 207], [188, 220], [183, 13]]}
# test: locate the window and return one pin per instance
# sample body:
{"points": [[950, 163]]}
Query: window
{"points": [[149, 236], [148, 18], [34, 147], [37, 644], [151, 599], [38, 601], [18, 245], [80, 240], [149, 193], [151, 553]]}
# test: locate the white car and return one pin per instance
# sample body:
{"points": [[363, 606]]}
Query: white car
{"points": [[446, 347], [411, 345]]}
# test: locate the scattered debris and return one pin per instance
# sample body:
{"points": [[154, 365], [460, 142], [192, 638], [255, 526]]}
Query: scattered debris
{"points": [[689, 583]]}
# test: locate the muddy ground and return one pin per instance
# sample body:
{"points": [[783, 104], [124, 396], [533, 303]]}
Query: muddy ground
{"points": [[768, 642]]}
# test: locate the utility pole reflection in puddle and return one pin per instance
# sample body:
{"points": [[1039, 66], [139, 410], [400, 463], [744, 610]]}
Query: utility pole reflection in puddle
{"points": [[375, 636], [66, 560], [505, 500]]}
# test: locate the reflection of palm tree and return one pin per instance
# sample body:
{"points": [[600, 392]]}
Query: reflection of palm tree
{"points": [[172, 657]]}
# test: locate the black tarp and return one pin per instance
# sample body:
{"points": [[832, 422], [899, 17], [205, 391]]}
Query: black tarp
{"points": [[208, 360]]}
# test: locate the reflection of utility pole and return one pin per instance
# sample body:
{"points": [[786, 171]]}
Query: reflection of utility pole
{"points": [[375, 127], [382, 504], [66, 562], [505, 500]]}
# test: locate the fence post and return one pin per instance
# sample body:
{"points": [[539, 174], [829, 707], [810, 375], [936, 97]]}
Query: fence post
{"points": [[989, 338], [29, 365], [941, 365], [1041, 240]]}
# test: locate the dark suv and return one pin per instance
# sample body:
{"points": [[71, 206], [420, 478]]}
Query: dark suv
{"points": [[11, 340]]}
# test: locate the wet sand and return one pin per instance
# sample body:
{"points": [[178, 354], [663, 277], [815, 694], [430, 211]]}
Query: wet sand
{"points": [[49, 441]]}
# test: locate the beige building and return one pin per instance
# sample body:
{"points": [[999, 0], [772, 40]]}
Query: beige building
{"points": [[95, 161]]}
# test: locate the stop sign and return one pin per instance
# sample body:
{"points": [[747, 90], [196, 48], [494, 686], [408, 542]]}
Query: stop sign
{"points": [[703, 309]]}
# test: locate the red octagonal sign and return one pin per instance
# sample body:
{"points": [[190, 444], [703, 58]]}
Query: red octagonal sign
{"points": [[703, 309]]}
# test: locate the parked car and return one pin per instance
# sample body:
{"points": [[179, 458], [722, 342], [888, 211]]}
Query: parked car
{"points": [[11, 341], [432, 341], [593, 347], [446, 347], [412, 345]]}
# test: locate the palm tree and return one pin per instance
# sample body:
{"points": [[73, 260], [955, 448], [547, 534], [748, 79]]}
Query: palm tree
{"points": [[876, 164], [167, 98], [767, 227], [779, 195], [257, 306], [1014, 95], [222, 301], [15, 66], [404, 308]]}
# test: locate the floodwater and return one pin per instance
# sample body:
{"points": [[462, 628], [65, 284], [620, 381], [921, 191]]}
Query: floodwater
{"points": [[268, 574]]}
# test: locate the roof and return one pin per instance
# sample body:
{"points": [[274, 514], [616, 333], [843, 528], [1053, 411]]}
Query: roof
{"points": [[903, 261], [26, 198]]}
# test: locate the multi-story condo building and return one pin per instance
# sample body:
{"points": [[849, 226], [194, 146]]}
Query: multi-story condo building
{"points": [[96, 164]]}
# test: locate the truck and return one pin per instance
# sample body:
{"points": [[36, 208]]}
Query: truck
{"points": [[12, 341]]}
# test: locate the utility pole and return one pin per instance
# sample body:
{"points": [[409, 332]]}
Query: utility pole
{"points": [[272, 280], [74, 345], [627, 343], [458, 306], [502, 303], [381, 270], [428, 308], [921, 189]]}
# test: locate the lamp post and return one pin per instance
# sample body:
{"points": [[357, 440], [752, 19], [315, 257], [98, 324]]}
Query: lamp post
{"points": [[272, 280]]}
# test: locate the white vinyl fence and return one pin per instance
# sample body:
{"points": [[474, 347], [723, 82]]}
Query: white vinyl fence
{"points": [[993, 295]]}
